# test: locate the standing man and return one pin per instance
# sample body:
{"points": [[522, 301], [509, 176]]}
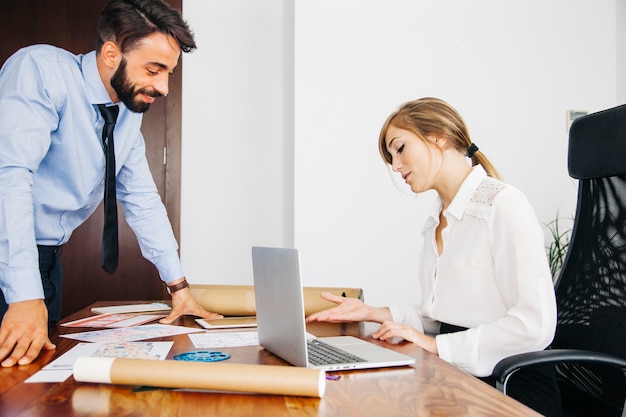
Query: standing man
{"points": [[65, 121]]}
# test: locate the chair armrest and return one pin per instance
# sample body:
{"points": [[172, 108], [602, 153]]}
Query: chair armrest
{"points": [[508, 366]]}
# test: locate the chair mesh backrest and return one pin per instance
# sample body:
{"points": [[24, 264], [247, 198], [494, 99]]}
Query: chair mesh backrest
{"points": [[591, 288]]}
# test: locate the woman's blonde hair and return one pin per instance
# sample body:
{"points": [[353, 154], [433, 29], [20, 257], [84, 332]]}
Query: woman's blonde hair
{"points": [[430, 116]]}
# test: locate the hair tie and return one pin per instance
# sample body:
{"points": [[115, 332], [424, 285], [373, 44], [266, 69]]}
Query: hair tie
{"points": [[472, 150]]}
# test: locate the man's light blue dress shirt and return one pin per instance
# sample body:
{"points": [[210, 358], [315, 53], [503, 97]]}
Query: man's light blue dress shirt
{"points": [[52, 166]]}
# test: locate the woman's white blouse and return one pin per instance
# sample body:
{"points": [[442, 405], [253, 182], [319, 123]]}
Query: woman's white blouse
{"points": [[492, 277]]}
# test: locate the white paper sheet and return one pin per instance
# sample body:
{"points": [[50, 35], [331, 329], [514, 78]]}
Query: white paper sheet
{"points": [[61, 368], [224, 339]]}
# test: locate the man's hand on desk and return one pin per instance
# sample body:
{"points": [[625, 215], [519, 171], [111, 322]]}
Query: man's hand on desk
{"points": [[24, 332], [183, 303]]}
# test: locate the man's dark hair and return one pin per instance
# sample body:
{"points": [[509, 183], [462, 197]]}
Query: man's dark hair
{"points": [[127, 22]]}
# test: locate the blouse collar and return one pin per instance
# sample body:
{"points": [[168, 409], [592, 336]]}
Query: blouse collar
{"points": [[461, 199]]}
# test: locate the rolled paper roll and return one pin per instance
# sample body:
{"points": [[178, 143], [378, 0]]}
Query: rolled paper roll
{"points": [[238, 300], [259, 379]]}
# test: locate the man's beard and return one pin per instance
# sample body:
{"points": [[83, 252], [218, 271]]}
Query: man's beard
{"points": [[126, 92]]}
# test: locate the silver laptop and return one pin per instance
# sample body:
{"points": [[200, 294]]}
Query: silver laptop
{"points": [[281, 324]]}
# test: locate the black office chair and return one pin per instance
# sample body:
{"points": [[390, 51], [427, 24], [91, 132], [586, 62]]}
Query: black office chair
{"points": [[589, 348]]}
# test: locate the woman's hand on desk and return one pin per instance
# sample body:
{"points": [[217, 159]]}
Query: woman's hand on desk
{"points": [[349, 309], [183, 304], [390, 329], [352, 310]]}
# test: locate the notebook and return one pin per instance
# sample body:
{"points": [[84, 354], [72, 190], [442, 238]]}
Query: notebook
{"points": [[281, 323]]}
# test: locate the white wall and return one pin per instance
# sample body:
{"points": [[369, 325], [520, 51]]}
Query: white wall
{"points": [[234, 138], [511, 69]]}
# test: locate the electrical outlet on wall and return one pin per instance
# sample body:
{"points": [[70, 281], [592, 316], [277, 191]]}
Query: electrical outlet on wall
{"points": [[573, 115]]}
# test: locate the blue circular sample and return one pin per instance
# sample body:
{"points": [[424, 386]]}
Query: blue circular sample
{"points": [[202, 356]]}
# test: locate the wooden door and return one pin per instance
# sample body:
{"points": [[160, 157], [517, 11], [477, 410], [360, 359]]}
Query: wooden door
{"points": [[71, 24]]}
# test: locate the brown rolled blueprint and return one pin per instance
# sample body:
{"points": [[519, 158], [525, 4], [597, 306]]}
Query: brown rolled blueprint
{"points": [[259, 379], [238, 300]]}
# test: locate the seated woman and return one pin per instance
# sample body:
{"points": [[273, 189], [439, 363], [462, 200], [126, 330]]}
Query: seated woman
{"points": [[486, 286]]}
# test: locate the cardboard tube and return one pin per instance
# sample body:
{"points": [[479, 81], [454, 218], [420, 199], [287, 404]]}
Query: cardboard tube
{"points": [[260, 379], [238, 300]]}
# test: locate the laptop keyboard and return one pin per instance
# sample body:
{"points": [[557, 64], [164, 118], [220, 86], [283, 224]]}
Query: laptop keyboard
{"points": [[321, 353]]}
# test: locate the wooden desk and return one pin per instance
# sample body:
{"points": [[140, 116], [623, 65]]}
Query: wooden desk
{"points": [[432, 387]]}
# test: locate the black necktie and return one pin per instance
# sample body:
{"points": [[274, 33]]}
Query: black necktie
{"points": [[110, 250]]}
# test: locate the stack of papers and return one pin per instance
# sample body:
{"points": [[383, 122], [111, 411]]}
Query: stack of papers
{"points": [[123, 329]]}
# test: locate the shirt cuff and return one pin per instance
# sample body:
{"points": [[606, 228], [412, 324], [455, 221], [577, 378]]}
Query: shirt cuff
{"points": [[169, 267], [443, 348], [22, 285], [407, 315]]}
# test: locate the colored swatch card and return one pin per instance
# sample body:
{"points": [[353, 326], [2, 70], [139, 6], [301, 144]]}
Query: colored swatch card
{"points": [[114, 320], [131, 334]]}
